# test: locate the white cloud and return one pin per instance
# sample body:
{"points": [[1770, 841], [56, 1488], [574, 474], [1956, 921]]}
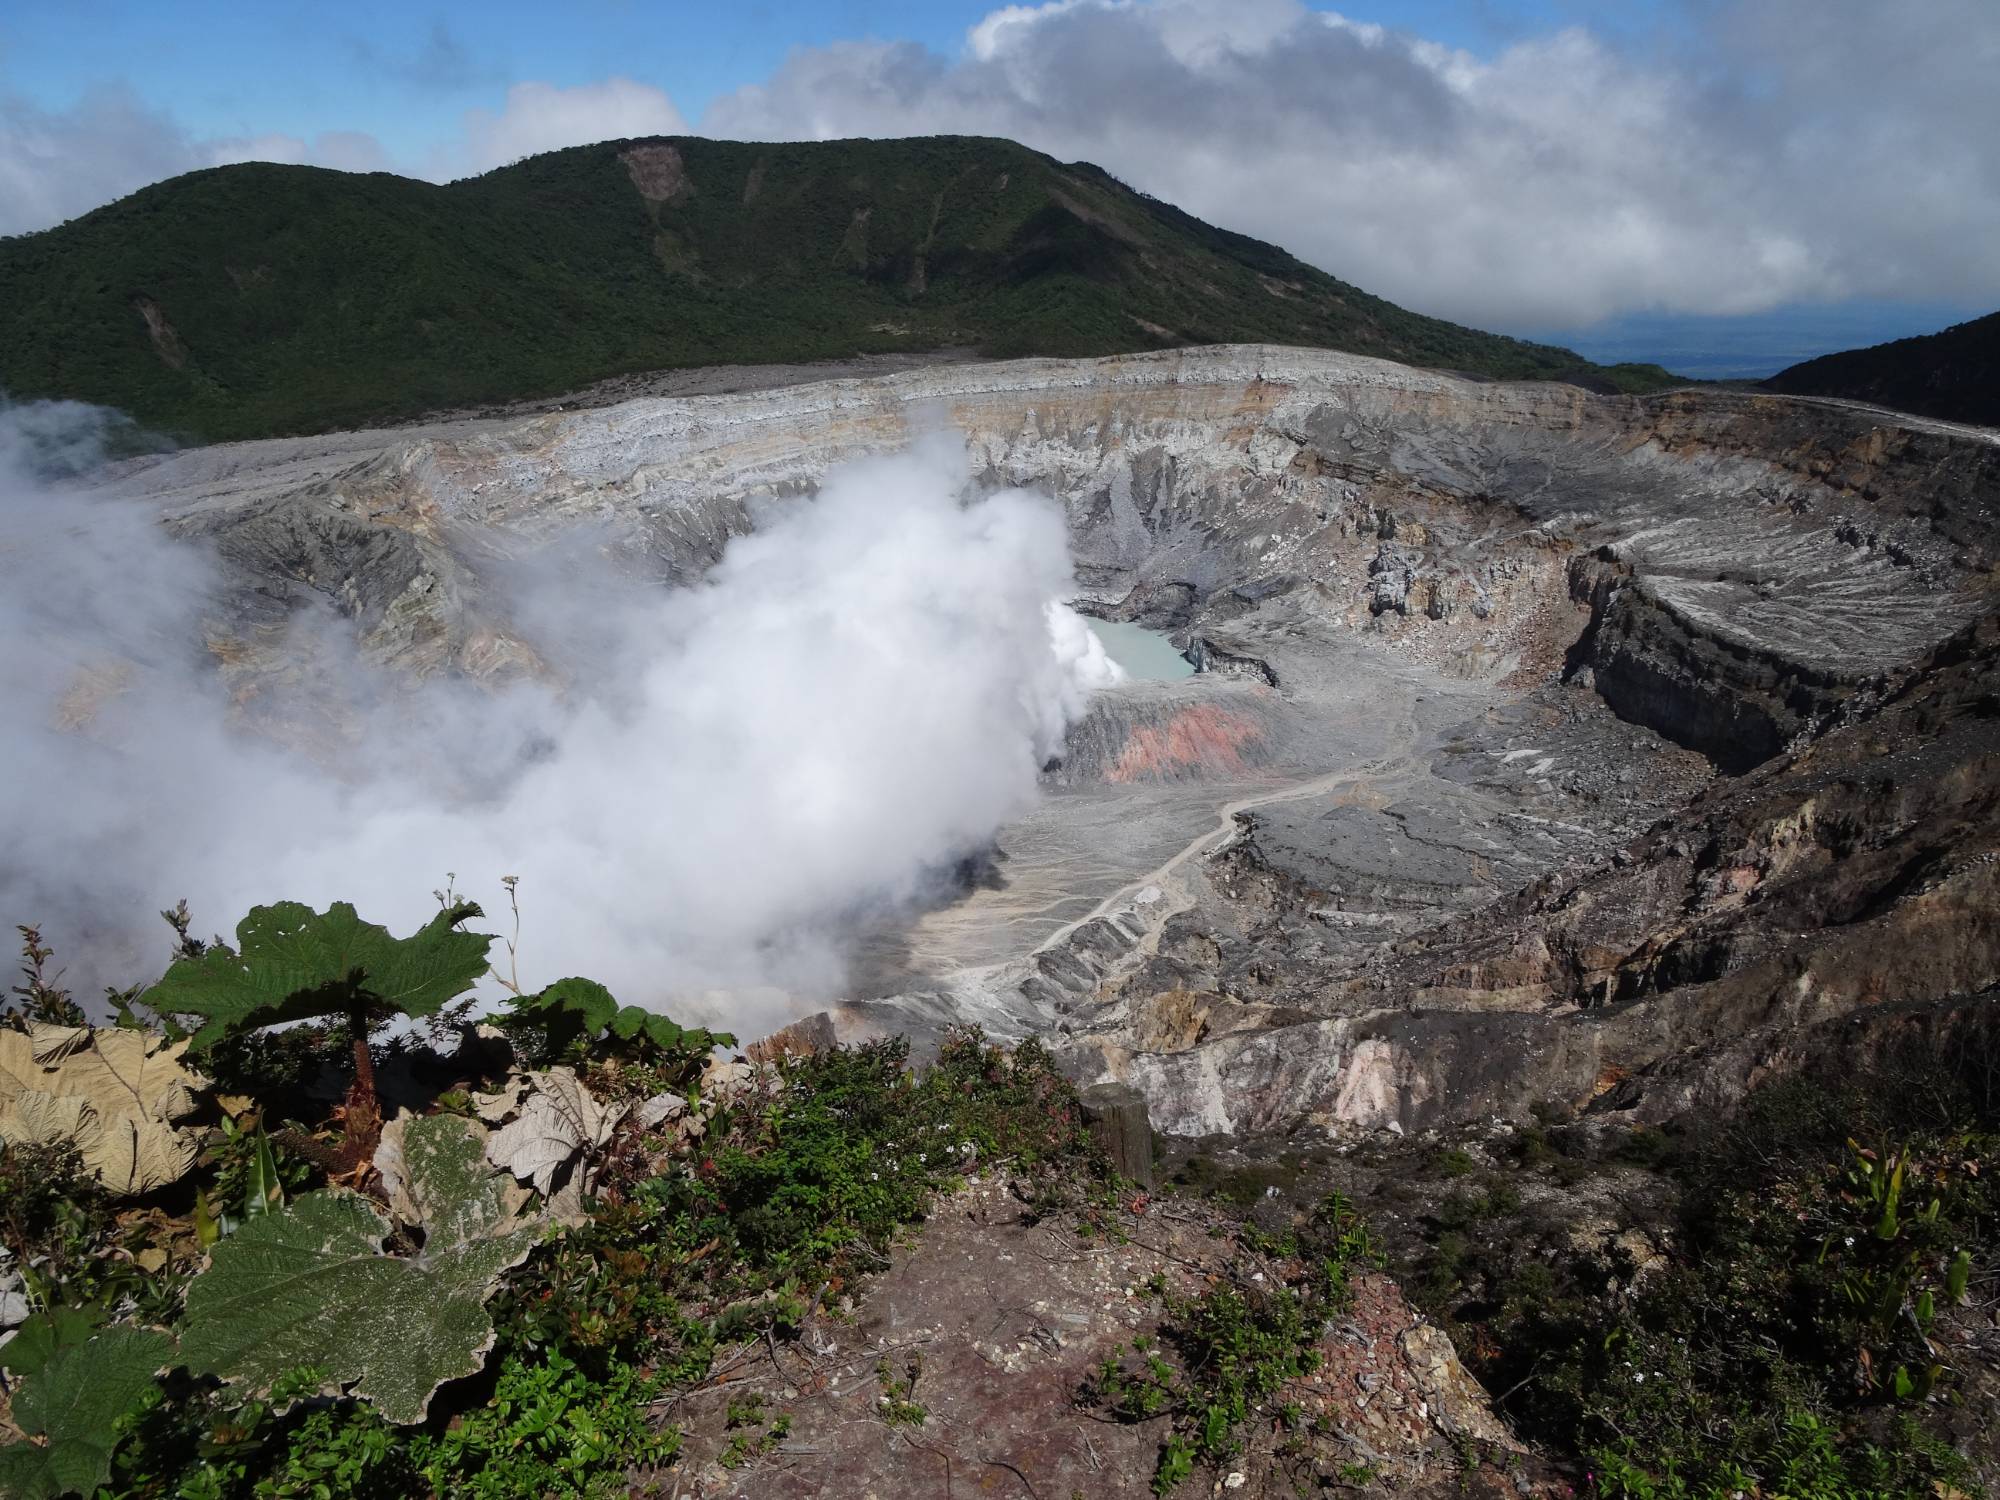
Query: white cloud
{"points": [[989, 37], [343, 150], [1779, 151], [1552, 183], [541, 117], [57, 164], [855, 698]]}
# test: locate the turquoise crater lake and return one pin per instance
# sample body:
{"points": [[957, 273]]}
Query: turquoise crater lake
{"points": [[1146, 655]]}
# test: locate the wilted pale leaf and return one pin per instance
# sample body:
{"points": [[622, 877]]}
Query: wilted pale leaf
{"points": [[558, 1120], [391, 1166], [663, 1106], [33, 1118], [310, 1286], [120, 1071], [122, 1092], [51, 1044], [496, 1107]]}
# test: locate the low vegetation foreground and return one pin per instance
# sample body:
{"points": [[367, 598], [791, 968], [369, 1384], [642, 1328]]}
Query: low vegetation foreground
{"points": [[295, 1225]]}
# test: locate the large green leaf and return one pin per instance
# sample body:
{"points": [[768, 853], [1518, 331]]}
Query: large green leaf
{"points": [[572, 1008], [592, 1003], [566, 1010], [310, 1286], [46, 1334], [663, 1032], [72, 1404], [291, 963]]}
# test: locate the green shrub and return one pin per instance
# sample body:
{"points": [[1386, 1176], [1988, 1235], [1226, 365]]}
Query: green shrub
{"points": [[1236, 1346], [549, 1428], [576, 1019], [795, 1190], [1799, 1306]]}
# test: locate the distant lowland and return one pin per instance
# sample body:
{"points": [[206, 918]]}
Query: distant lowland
{"points": [[256, 299]]}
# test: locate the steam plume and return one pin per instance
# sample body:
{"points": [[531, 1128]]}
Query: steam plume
{"points": [[855, 697]]}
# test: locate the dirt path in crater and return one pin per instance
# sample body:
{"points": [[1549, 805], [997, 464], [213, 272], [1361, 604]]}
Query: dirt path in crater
{"points": [[1398, 765], [1113, 842], [1936, 425], [1175, 896]]}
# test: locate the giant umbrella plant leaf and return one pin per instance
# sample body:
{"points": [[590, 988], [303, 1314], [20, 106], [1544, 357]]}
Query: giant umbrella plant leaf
{"points": [[309, 1286], [70, 1406], [117, 1096], [291, 963]]}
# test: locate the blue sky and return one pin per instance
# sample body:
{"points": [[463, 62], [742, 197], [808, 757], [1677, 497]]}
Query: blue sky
{"points": [[1722, 184], [244, 69]]}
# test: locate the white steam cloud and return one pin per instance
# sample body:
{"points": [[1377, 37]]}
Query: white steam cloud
{"points": [[732, 775]]}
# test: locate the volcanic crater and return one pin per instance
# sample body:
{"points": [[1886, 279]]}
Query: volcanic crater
{"points": [[1544, 744]]}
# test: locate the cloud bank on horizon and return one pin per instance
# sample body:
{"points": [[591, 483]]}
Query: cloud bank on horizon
{"points": [[1779, 151]]}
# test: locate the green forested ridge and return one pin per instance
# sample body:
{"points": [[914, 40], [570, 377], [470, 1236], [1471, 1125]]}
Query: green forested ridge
{"points": [[257, 299], [1954, 374]]}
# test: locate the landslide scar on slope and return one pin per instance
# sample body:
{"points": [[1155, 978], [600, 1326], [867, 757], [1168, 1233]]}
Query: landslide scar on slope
{"points": [[166, 343], [658, 173]]}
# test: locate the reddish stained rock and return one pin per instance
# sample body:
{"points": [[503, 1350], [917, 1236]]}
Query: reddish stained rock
{"points": [[1201, 737]]}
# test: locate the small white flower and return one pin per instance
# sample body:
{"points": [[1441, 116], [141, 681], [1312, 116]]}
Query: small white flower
{"points": [[874, 1177], [1639, 1377]]}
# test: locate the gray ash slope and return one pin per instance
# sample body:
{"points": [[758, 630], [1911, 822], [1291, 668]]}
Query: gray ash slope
{"points": [[1550, 743]]}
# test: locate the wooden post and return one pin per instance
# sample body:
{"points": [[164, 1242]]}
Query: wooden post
{"points": [[1116, 1116]]}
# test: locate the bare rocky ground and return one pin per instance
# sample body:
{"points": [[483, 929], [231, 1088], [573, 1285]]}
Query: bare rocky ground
{"points": [[985, 1329], [1597, 755]]}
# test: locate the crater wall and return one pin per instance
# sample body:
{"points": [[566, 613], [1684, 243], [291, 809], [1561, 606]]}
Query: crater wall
{"points": [[1743, 563], [1387, 859]]}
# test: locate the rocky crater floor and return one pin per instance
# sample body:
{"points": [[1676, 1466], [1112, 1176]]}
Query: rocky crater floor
{"points": [[1551, 754], [1540, 738]]}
